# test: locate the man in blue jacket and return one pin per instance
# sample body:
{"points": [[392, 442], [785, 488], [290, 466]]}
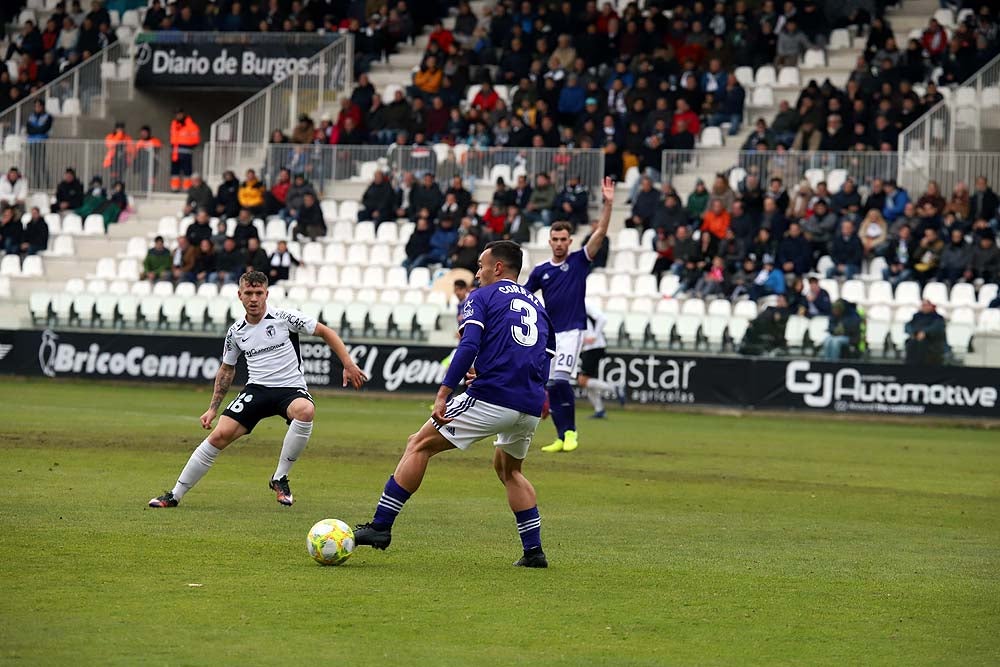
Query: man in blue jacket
{"points": [[38, 127], [896, 199]]}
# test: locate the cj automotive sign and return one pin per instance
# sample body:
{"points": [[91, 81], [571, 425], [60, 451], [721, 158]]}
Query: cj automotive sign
{"points": [[648, 378], [230, 65]]}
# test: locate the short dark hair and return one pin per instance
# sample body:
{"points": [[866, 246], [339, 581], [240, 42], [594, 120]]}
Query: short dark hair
{"points": [[508, 253], [253, 278], [561, 226], [461, 284], [158, 239]]}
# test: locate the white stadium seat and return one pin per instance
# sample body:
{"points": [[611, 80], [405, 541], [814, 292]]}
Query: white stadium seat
{"points": [[763, 96], [788, 77], [765, 76], [814, 59]]}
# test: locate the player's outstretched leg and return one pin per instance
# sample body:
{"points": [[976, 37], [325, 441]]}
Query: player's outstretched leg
{"points": [[521, 497], [403, 483], [201, 461], [301, 411]]}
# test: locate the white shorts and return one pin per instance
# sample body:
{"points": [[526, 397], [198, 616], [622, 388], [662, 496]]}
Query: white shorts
{"points": [[474, 420], [568, 344]]}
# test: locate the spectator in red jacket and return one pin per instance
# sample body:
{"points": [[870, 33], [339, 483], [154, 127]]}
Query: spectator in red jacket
{"points": [[685, 114], [486, 99], [349, 109]]}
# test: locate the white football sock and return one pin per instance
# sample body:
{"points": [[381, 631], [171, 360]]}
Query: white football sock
{"points": [[295, 441], [594, 394], [201, 460], [600, 385]]}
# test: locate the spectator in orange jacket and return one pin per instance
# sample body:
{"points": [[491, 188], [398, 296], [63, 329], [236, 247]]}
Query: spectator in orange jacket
{"points": [[119, 153], [714, 225], [427, 80], [185, 135]]}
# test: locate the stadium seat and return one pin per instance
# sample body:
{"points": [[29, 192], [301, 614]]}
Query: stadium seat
{"points": [[763, 96], [626, 239], [815, 176], [62, 307], [745, 309], [380, 256], [989, 320], [93, 225], [907, 293], [736, 177], [390, 296], [990, 97], [195, 311], [945, 17], [118, 287], [136, 248], [814, 59], [328, 276], [795, 331], [500, 171], [439, 299], [876, 334], [402, 318], [987, 293], [641, 305], [788, 77], [71, 107], [765, 76], [737, 330], [840, 38], [208, 290], [297, 294], [624, 261], [108, 71], [713, 328], [645, 286], [373, 276], [320, 294], [959, 336], [275, 230], [621, 284], [597, 284], [965, 96], [52, 105], [693, 307], [962, 294], [335, 253], [357, 254], [185, 289], [853, 291], [172, 309], [38, 304], [661, 326], [97, 286], [313, 309], [144, 287], [348, 210], [936, 293], [329, 209], [364, 232], [818, 330], [669, 284], [835, 180], [350, 276], [74, 286], [128, 269], [54, 221], [379, 315], [634, 326], [711, 137], [427, 317], [4, 287], [106, 309], [687, 326], [149, 310], [106, 268], [420, 277], [312, 253], [881, 313], [387, 233], [613, 327], [720, 307], [616, 304], [72, 224], [745, 76], [343, 295]]}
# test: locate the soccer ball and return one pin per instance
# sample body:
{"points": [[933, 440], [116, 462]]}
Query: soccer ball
{"points": [[330, 542]]}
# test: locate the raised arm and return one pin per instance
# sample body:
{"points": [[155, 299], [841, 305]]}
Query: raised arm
{"points": [[223, 381], [597, 238], [352, 374]]}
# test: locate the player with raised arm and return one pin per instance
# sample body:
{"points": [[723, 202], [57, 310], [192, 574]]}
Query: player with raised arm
{"points": [[594, 349], [269, 339], [507, 332], [563, 282]]}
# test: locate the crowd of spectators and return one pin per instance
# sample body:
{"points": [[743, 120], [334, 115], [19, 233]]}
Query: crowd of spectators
{"points": [[762, 240], [71, 33]]}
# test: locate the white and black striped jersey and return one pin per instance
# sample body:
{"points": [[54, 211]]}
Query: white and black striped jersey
{"points": [[271, 347]]}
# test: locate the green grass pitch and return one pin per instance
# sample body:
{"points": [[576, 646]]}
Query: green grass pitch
{"points": [[673, 539]]}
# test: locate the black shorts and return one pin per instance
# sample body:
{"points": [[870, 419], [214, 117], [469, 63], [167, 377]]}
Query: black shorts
{"points": [[590, 361], [256, 402]]}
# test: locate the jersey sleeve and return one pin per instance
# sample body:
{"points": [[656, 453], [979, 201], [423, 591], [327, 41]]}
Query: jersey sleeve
{"points": [[230, 351], [298, 321], [550, 339], [581, 258], [533, 284], [474, 311]]}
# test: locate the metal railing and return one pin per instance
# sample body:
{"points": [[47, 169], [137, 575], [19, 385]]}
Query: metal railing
{"points": [[324, 165], [144, 171], [80, 92], [249, 126], [911, 171], [960, 122]]}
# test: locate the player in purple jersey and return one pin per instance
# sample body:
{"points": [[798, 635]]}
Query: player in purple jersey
{"points": [[563, 282], [508, 335]]}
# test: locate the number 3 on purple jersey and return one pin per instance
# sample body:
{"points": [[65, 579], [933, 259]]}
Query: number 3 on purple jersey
{"points": [[526, 335]]}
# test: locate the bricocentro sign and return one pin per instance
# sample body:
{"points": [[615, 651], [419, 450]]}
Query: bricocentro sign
{"points": [[204, 65]]}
